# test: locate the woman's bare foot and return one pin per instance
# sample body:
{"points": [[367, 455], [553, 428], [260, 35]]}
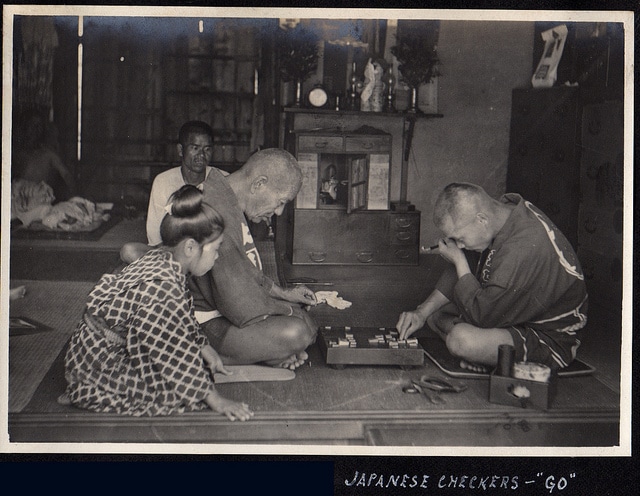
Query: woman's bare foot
{"points": [[64, 399], [474, 367], [294, 361], [17, 293]]}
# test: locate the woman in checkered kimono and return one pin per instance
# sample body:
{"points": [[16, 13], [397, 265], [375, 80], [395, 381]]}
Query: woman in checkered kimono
{"points": [[138, 349]]}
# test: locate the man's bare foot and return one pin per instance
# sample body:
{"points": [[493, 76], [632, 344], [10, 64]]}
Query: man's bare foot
{"points": [[474, 367], [294, 361]]}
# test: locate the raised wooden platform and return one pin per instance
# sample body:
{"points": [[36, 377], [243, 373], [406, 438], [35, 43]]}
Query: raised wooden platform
{"points": [[360, 405]]}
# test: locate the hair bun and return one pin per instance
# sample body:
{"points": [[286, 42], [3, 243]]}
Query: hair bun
{"points": [[186, 202]]}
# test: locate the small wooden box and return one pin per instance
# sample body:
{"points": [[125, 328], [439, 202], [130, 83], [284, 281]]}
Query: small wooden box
{"points": [[362, 346], [501, 391]]}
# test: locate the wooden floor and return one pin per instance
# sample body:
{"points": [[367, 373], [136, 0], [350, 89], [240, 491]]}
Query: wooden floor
{"points": [[322, 406]]}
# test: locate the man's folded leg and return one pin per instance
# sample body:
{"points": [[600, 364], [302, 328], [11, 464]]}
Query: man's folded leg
{"points": [[278, 341]]}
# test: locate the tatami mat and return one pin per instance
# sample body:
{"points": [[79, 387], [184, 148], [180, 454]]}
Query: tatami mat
{"points": [[57, 304]]}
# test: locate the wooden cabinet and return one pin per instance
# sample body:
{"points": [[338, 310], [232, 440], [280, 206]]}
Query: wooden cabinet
{"points": [[601, 218], [367, 237], [544, 153], [344, 213], [567, 158]]}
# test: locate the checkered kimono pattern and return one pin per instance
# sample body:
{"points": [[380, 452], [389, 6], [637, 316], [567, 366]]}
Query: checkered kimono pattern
{"points": [[147, 361]]}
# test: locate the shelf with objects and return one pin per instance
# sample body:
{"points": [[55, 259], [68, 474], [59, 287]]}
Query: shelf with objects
{"points": [[345, 212], [213, 76], [352, 133]]}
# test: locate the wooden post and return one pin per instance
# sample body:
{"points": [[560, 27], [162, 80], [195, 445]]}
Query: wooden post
{"points": [[407, 137]]}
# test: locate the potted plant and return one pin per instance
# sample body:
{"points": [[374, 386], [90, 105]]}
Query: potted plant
{"points": [[297, 51], [418, 62]]}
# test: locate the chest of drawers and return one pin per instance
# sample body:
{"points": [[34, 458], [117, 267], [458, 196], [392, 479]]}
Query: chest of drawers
{"points": [[367, 237]]}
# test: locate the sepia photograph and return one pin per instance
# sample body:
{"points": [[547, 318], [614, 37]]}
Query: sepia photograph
{"points": [[317, 232]]}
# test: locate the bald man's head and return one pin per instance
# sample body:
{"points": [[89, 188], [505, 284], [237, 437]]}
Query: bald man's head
{"points": [[269, 180], [459, 202], [279, 166]]}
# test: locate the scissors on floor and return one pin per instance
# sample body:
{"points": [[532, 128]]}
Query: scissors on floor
{"points": [[432, 387]]}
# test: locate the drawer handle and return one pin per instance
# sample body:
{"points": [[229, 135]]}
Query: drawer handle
{"points": [[404, 222], [594, 127], [317, 256], [403, 254], [591, 225], [368, 145], [404, 236], [364, 256], [321, 144]]}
